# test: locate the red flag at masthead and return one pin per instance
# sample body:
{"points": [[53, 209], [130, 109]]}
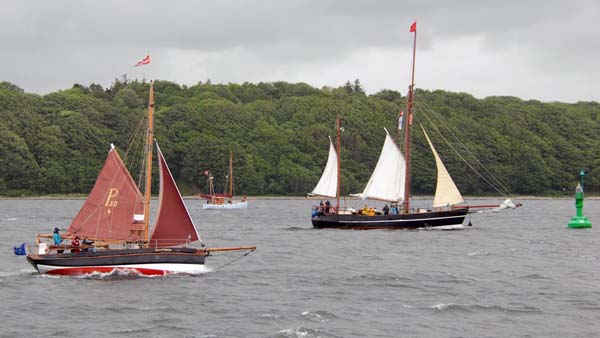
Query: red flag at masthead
{"points": [[413, 27]]}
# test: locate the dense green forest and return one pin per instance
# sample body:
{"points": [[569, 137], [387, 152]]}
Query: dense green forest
{"points": [[57, 143]]}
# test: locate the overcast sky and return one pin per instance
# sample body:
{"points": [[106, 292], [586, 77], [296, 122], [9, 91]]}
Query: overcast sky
{"points": [[547, 50]]}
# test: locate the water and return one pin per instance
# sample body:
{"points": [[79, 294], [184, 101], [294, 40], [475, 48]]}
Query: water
{"points": [[519, 273]]}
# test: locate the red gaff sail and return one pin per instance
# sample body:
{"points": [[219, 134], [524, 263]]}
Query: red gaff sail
{"points": [[173, 225], [108, 213]]}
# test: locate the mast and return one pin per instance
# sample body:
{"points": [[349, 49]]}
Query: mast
{"points": [[211, 188], [231, 172], [409, 112], [149, 139], [339, 169]]}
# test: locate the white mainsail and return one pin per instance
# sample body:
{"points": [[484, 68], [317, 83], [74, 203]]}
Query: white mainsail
{"points": [[327, 185], [446, 192], [387, 181]]}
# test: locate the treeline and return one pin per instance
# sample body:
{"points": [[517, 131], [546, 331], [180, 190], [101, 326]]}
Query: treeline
{"points": [[57, 143]]}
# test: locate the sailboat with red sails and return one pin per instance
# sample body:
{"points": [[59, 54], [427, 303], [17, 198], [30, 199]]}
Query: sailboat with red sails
{"points": [[390, 182], [114, 223]]}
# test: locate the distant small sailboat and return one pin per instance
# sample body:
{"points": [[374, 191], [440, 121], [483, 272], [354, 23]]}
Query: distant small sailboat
{"points": [[114, 224], [225, 201]]}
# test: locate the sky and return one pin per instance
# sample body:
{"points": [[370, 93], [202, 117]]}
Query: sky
{"points": [[544, 50]]}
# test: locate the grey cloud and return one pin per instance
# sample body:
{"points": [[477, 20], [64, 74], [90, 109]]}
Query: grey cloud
{"points": [[51, 44]]}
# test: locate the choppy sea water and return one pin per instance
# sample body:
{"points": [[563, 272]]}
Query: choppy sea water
{"points": [[517, 273]]}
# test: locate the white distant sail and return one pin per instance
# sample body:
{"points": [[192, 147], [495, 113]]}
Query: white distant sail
{"points": [[446, 192], [327, 185], [387, 181]]}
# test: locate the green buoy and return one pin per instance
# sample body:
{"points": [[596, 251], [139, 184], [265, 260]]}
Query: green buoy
{"points": [[579, 221]]}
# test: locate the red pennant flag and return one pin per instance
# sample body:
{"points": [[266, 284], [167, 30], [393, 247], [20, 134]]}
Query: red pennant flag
{"points": [[413, 27], [143, 61]]}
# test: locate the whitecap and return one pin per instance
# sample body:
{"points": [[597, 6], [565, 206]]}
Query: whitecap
{"points": [[442, 306]]}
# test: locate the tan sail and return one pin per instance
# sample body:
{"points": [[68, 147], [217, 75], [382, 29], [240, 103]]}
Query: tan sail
{"points": [[446, 192]]}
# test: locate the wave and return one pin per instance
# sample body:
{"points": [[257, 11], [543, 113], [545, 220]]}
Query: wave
{"points": [[303, 332], [271, 316], [382, 280], [319, 316], [533, 276], [479, 307], [299, 229], [479, 253], [382, 277]]}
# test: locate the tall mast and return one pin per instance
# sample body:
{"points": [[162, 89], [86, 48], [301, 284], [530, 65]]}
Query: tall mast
{"points": [[231, 172], [149, 139], [339, 169], [409, 113]]}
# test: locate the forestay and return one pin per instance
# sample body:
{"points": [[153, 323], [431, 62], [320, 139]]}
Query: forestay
{"points": [[387, 181], [327, 185], [446, 192]]}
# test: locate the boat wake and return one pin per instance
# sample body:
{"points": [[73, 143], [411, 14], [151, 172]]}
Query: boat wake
{"points": [[445, 227], [127, 274], [22, 272], [115, 274]]}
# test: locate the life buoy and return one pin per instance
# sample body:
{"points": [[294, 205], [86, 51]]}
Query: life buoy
{"points": [[332, 210]]}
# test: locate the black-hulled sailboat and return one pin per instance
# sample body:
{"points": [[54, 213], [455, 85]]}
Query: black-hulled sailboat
{"points": [[390, 182]]}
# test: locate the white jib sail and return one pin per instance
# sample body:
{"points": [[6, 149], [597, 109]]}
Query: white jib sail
{"points": [[327, 185], [446, 192], [387, 181]]}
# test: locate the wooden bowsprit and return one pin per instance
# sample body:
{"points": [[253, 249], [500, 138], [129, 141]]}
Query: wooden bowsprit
{"points": [[239, 248]]}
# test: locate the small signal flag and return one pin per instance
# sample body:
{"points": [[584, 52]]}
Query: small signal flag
{"points": [[144, 61]]}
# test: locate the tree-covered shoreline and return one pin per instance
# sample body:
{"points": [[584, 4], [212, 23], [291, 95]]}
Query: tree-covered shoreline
{"points": [[57, 143]]}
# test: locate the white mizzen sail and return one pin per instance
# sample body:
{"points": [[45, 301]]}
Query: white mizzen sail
{"points": [[387, 181], [446, 192], [327, 186]]}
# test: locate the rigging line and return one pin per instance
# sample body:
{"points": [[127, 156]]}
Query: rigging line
{"points": [[495, 185], [134, 137], [232, 261], [499, 186], [136, 152]]}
